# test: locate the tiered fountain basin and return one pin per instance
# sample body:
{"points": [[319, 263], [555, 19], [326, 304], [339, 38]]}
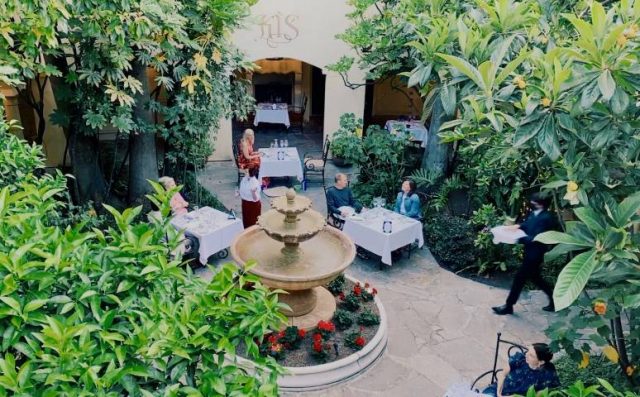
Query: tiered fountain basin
{"points": [[297, 252]]}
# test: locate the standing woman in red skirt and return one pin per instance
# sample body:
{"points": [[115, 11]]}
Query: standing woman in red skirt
{"points": [[250, 195]]}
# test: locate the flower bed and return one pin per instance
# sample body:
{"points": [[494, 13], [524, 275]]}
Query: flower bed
{"points": [[355, 323]]}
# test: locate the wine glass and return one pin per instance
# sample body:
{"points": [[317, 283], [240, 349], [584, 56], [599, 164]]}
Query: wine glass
{"points": [[281, 142], [286, 143]]}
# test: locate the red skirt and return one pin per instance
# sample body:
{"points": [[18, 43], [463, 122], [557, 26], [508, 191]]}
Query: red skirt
{"points": [[251, 210]]}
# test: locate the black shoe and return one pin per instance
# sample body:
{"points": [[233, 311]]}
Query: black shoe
{"points": [[502, 310], [549, 308]]}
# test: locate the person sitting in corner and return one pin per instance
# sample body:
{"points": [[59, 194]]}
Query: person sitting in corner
{"points": [[179, 205], [525, 370], [339, 197], [408, 202]]}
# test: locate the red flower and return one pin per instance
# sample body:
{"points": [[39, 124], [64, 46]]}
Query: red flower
{"points": [[357, 290], [317, 337], [317, 346], [366, 285], [341, 296], [326, 326], [277, 348], [272, 339], [360, 341], [302, 333], [280, 334], [374, 291]]}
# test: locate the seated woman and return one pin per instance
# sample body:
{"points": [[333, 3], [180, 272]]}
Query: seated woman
{"points": [[247, 157], [408, 202], [178, 204], [533, 369]]}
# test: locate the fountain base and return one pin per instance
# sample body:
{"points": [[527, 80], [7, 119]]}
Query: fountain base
{"points": [[309, 307]]}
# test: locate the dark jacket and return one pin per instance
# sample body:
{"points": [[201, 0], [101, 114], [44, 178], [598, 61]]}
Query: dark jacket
{"points": [[337, 198], [534, 225]]}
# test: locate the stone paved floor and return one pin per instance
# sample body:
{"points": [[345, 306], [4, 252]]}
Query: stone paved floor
{"points": [[441, 328]]}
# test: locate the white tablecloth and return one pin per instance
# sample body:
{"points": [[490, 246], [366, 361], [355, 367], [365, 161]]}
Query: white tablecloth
{"points": [[271, 166], [417, 130], [213, 229], [366, 231], [266, 114]]}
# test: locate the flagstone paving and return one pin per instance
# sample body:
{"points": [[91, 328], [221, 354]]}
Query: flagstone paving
{"points": [[441, 327]]}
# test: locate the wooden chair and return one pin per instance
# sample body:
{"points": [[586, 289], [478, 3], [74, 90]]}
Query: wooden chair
{"points": [[315, 162], [513, 348], [241, 171], [296, 115]]}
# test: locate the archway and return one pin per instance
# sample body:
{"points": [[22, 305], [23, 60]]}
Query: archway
{"points": [[305, 31]]}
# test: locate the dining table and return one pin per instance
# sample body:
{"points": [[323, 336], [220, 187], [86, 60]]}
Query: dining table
{"points": [[286, 164], [366, 231], [416, 129], [214, 229], [274, 113]]}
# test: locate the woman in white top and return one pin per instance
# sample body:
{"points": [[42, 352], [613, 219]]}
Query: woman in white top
{"points": [[250, 195]]}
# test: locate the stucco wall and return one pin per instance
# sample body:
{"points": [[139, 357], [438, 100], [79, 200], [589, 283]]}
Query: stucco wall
{"points": [[303, 30]]}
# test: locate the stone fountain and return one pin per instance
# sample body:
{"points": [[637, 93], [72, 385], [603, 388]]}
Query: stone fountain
{"points": [[297, 252]]}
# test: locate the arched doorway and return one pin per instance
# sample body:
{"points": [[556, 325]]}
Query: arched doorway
{"points": [[304, 31]]}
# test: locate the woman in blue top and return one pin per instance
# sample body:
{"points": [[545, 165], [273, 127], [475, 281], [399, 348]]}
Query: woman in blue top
{"points": [[524, 371], [408, 202]]}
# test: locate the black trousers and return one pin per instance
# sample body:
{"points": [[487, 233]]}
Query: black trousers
{"points": [[531, 270]]}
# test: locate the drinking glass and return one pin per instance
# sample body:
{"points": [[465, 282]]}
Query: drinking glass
{"points": [[271, 145], [281, 142], [286, 143]]}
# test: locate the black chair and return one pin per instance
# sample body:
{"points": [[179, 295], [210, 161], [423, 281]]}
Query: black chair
{"points": [[494, 371], [332, 220], [241, 171], [315, 162], [296, 115]]}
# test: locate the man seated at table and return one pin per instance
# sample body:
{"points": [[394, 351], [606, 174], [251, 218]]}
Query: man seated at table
{"points": [[340, 196]]}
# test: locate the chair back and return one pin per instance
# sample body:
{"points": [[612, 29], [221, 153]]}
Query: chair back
{"points": [[236, 154], [510, 352], [325, 151]]}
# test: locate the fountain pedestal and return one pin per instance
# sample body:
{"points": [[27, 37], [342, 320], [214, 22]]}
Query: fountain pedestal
{"points": [[295, 251]]}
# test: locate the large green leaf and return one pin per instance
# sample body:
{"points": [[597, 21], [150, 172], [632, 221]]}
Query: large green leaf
{"points": [[627, 208], [466, 68], [590, 94], [553, 237], [592, 219], [606, 84], [525, 132], [619, 101], [548, 139], [448, 99], [573, 278]]}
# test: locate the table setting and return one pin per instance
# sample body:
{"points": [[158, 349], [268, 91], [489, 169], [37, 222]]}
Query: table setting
{"points": [[418, 132], [280, 161], [382, 231], [275, 113], [215, 230]]}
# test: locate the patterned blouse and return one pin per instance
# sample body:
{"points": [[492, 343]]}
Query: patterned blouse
{"points": [[521, 377]]}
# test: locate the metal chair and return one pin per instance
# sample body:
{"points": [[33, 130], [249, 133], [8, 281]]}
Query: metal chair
{"points": [[315, 162], [494, 371], [332, 220]]}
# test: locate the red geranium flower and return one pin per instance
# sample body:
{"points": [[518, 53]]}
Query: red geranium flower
{"points": [[374, 291], [317, 337], [326, 326], [302, 333], [360, 341], [280, 334], [357, 290], [317, 346], [272, 339], [341, 296]]}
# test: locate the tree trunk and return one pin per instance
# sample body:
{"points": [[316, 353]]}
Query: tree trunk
{"points": [[83, 145], [436, 154], [143, 164]]}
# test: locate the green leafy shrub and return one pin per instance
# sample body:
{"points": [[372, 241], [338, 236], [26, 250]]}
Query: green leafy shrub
{"points": [[368, 318], [17, 159], [354, 340], [492, 257], [599, 367], [351, 302], [107, 312], [382, 165], [346, 143], [451, 241], [343, 319], [336, 285]]}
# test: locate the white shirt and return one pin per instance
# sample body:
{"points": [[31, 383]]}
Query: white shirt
{"points": [[247, 185], [403, 209]]}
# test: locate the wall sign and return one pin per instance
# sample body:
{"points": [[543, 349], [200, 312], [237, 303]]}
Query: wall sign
{"points": [[278, 29]]}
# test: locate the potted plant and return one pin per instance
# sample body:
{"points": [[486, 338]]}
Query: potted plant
{"points": [[346, 144]]}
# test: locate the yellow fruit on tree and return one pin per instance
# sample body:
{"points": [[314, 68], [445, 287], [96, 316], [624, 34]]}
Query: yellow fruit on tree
{"points": [[546, 102], [572, 186]]}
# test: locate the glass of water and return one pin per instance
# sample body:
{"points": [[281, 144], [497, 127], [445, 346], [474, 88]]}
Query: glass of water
{"points": [[286, 143], [281, 142]]}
